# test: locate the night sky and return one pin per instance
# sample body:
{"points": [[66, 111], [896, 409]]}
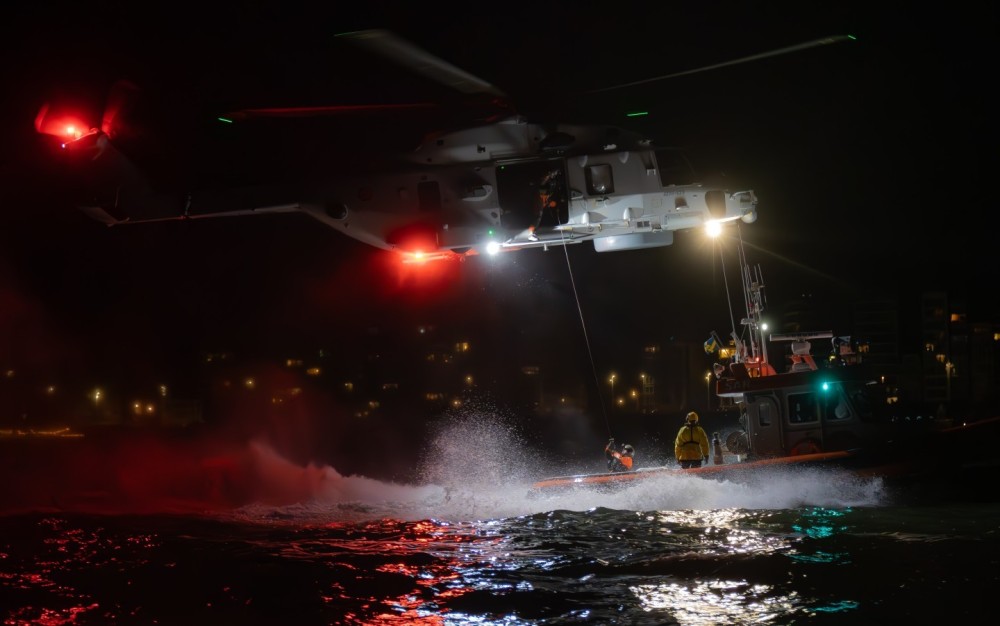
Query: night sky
{"points": [[869, 158]]}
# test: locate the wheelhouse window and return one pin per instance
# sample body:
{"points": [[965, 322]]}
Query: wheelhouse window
{"points": [[835, 406], [764, 417], [802, 408], [870, 402]]}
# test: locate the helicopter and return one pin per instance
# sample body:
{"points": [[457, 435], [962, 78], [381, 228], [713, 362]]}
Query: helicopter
{"points": [[498, 183]]}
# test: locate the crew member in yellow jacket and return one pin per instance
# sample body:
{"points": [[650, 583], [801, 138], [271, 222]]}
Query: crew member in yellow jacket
{"points": [[691, 444]]}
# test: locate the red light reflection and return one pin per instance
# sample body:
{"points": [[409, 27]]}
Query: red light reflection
{"points": [[67, 126], [421, 588]]}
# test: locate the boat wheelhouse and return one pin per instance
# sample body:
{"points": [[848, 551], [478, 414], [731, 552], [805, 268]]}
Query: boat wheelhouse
{"points": [[812, 407]]}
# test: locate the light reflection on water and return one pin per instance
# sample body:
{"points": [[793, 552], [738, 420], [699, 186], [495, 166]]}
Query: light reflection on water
{"points": [[301, 565], [473, 546]]}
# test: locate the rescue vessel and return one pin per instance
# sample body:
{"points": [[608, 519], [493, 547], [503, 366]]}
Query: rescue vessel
{"points": [[829, 410]]}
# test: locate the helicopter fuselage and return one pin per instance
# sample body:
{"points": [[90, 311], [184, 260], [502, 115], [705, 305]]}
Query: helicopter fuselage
{"points": [[504, 186], [497, 184]]}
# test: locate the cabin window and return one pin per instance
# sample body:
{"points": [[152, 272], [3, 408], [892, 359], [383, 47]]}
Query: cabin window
{"points": [[674, 168], [764, 417], [600, 180], [865, 400], [802, 408], [835, 406]]}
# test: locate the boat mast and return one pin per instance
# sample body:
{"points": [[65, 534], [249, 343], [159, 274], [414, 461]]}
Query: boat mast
{"points": [[753, 296], [754, 355]]}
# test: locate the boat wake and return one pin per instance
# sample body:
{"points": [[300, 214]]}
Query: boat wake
{"points": [[475, 467], [493, 482]]}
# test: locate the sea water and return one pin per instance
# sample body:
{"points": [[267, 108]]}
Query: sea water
{"points": [[470, 544]]}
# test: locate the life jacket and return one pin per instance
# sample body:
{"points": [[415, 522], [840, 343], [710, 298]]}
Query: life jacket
{"points": [[618, 462], [686, 453]]}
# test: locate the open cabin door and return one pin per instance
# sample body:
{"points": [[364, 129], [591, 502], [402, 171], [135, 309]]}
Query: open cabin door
{"points": [[532, 194]]}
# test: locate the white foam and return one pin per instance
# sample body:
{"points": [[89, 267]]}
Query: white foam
{"points": [[475, 468]]}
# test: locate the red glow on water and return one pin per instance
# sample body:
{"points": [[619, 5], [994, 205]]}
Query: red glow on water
{"points": [[173, 473], [441, 580]]}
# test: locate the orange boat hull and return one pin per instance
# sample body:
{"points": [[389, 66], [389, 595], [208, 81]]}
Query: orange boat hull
{"points": [[711, 471]]}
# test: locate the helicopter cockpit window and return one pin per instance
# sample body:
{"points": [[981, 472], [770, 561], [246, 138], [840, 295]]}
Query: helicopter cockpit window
{"points": [[600, 180], [674, 168]]}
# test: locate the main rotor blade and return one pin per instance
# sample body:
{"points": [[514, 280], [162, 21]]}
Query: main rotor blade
{"points": [[401, 52], [324, 111], [756, 57]]}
